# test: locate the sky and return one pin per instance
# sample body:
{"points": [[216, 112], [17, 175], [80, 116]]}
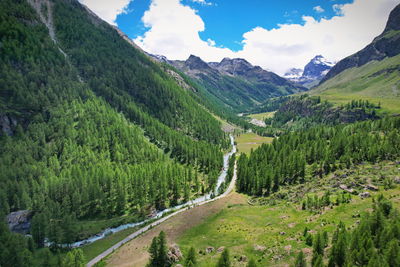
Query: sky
{"points": [[274, 34]]}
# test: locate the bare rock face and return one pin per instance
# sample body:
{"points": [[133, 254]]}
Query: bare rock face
{"points": [[20, 221], [7, 124], [174, 254]]}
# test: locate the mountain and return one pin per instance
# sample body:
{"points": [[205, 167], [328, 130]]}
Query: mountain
{"points": [[312, 74], [236, 83], [91, 128], [371, 74], [384, 46]]}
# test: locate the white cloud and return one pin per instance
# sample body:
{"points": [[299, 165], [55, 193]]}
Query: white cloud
{"points": [[174, 32], [318, 9], [338, 9], [108, 10], [202, 2]]}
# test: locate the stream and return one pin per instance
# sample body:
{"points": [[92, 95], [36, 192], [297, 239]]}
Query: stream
{"points": [[204, 198]]}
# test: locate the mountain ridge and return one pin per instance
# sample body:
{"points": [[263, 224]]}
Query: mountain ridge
{"points": [[387, 44]]}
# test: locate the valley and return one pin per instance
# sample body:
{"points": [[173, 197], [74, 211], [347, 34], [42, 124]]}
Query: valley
{"points": [[114, 155]]}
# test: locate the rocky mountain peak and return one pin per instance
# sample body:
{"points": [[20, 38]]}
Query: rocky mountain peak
{"points": [[234, 66], [194, 62], [317, 67], [394, 20]]}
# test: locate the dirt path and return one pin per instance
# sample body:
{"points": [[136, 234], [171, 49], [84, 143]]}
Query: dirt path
{"points": [[134, 253]]}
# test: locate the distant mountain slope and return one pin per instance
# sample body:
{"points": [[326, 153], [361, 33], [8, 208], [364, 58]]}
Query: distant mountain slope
{"points": [[313, 72], [235, 82], [385, 45], [371, 74]]}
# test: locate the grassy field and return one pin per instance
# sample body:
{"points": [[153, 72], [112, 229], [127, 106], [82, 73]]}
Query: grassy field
{"points": [[247, 141], [273, 234], [262, 116], [377, 81]]}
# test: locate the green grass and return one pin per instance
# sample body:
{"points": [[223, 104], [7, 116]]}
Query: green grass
{"points": [[367, 83], [262, 116], [247, 141], [241, 227], [92, 250]]}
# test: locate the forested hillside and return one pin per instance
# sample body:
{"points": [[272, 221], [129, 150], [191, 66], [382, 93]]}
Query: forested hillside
{"points": [[90, 127], [320, 150]]}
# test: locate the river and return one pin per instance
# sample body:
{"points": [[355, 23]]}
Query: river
{"points": [[204, 198]]}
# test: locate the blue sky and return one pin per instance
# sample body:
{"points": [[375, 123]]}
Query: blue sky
{"points": [[274, 34], [227, 20]]}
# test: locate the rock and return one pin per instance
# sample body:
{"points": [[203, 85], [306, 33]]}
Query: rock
{"points": [[372, 187], [396, 179], [179, 265], [209, 250], [220, 249], [242, 258], [7, 124], [282, 233], [174, 254], [20, 221], [152, 213], [307, 251], [291, 225], [288, 248], [365, 195], [343, 187], [259, 248], [343, 176]]}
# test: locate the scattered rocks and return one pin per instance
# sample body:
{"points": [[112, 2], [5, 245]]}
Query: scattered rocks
{"points": [[209, 250], [372, 187], [365, 195], [174, 254], [220, 249], [20, 221], [259, 248]]}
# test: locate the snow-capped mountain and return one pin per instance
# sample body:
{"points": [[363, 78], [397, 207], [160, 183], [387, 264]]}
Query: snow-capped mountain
{"points": [[313, 72]]}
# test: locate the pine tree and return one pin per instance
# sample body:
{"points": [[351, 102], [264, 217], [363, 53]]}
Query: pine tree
{"points": [[224, 260], [300, 260], [190, 260], [252, 263]]}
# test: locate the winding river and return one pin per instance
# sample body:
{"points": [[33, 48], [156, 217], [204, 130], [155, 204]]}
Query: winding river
{"points": [[200, 200]]}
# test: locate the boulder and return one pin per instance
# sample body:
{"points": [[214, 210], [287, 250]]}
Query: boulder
{"points": [[174, 254], [242, 258], [209, 250], [220, 249], [343, 187], [365, 195], [259, 248], [372, 187]]}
